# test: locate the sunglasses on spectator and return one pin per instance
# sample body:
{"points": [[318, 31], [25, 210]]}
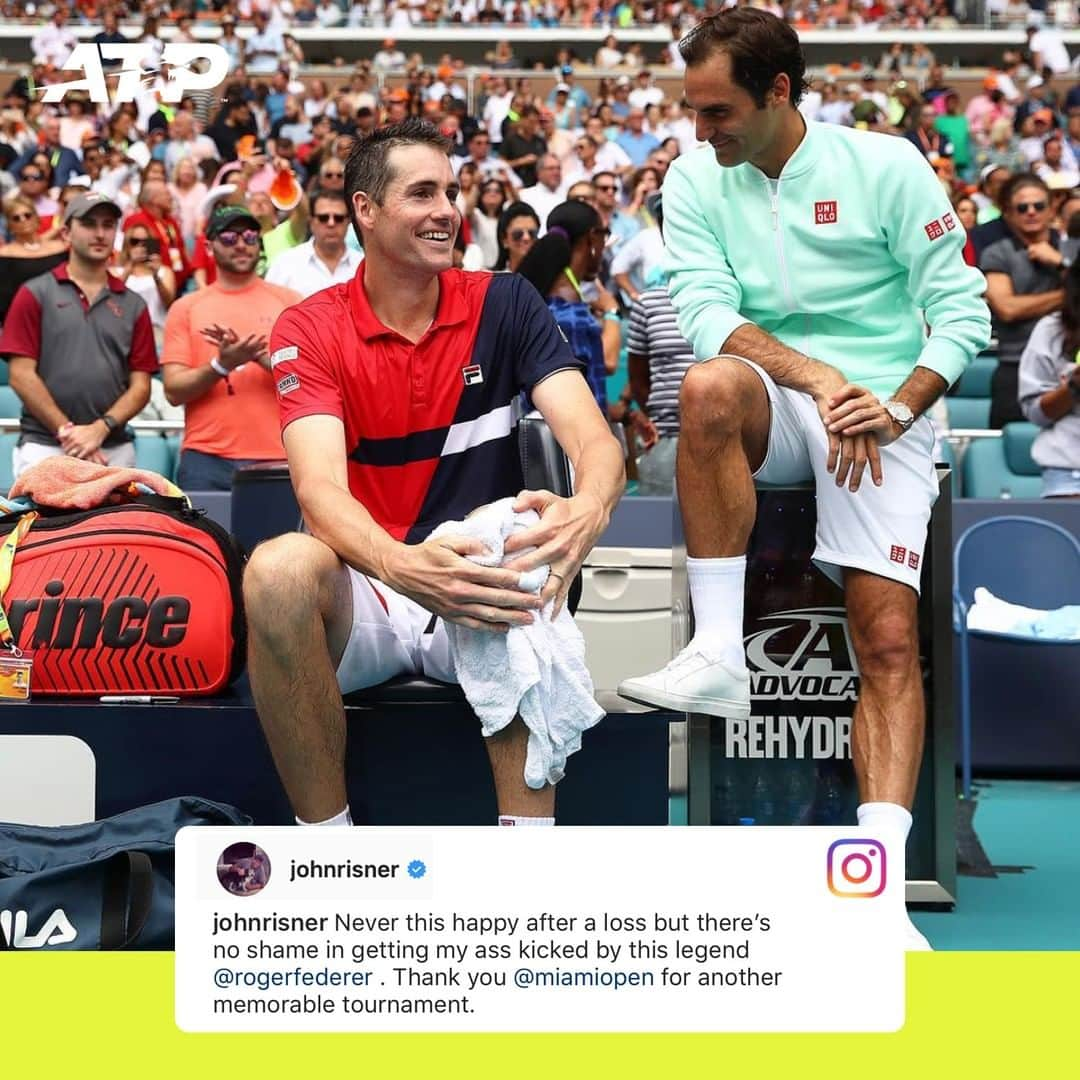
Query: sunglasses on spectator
{"points": [[331, 219], [20, 217], [517, 235], [33, 176], [138, 241], [230, 237], [333, 175], [604, 187], [1026, 207]]}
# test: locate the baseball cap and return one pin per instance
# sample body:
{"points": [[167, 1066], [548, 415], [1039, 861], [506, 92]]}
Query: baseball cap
{"points": [[567, 69], [81, 205], [227, 216], [1035, 82], [1045, 115], [562, 88], [986, 172], [990, 82], [623, 80], [868, 76], [398, 95]]}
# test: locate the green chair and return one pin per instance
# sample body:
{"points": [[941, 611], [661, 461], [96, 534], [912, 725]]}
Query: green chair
{"points": [[152, 452], [975, 382], [968, 412], [8, 439], [987, 475], [10, 402]]}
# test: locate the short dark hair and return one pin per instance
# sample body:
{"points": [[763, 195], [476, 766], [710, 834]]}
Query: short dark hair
{"points": [[760, 46], [367, 167], [326, 193], [1021, 180]]}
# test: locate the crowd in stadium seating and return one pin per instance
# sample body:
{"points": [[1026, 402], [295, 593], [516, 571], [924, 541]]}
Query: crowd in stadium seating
{"points": [[539, 14], [520, 150]]}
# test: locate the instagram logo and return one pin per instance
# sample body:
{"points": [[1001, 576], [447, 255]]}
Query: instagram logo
{"points": [[856, 868]]}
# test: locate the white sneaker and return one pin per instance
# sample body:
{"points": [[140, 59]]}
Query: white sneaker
{"points": [[694, 682]]}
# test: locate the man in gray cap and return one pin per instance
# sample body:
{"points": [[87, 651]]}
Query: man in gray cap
{"points": [[80, 346]]}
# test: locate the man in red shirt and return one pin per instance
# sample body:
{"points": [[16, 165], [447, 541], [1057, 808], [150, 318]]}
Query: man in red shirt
{"points": [[397, 394], [156, 214], [81, 348]]}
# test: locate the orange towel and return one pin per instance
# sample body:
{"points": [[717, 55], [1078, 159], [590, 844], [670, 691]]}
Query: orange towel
{"points": [[67, 483]]}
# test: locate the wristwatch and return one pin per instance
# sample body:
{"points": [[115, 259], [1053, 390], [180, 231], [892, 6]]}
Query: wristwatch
{"points": [[901, 414], [109, 421]]}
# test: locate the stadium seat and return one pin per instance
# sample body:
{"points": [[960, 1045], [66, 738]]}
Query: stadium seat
{"points": [[1017, 439], [10, 402], [987, 475], [1022, 560], [173, 442], [968, 412], [152, 452], [8, 439], [975, 382]]}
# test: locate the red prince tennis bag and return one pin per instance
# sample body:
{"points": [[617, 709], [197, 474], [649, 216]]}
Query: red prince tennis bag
{"points": [[140, 598]]}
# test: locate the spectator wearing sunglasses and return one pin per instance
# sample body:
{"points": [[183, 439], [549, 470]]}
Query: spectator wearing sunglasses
{"points": [[215, 360], [517, 232], [27, 254], [63, 162], [488, 200], [325, 259], [1023, 283], [559, 266], [34, 181]]}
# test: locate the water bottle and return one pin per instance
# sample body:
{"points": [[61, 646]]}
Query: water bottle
{"points": [[726, 801], [798, 796], [831, 810], [762, 799]]}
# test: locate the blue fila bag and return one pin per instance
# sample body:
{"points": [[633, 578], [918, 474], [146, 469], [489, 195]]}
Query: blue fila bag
{"points": [[101, 885]]}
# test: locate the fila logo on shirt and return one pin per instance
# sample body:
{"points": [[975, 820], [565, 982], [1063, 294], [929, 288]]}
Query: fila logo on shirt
{"points": [[472, 375], [825, 213]]}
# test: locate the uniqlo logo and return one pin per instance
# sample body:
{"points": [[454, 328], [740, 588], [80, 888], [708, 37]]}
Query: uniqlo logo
{"points": [[913, 560], [897, 554], [949, 222], [825, 213], [934, 230]]}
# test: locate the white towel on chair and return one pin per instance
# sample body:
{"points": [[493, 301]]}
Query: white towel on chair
{"points": [[537, 671]]}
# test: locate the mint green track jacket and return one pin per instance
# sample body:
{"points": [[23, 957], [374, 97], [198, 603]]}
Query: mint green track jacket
{"points": [[855, 251]]}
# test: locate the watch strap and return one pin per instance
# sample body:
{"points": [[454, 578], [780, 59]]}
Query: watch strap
{"points": [[110, 422]]}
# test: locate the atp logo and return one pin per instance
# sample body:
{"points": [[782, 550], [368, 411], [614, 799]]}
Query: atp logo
{"points": [[132, 77], [56, 930]]}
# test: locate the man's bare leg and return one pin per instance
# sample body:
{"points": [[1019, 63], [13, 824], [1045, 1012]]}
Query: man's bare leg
{"points": [[506, 752], [298, 601], [723, 437], [887, 735]]}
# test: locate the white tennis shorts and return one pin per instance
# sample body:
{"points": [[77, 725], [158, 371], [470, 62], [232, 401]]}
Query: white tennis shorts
{"points": [[878, 529], [391, 635]]}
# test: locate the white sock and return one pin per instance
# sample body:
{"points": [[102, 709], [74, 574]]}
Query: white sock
{"points": [[510, 819], [893, 820], [344, 818], [717, 587]]}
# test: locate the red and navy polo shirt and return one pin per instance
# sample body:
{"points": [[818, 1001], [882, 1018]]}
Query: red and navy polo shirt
{"points": [[85, 352], [430, 427]]}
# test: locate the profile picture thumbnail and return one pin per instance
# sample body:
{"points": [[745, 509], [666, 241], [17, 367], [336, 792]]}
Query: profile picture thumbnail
{"points": [[243, 869]]}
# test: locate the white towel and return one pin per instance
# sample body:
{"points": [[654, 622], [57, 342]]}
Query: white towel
{"points": [[537, 671]]}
